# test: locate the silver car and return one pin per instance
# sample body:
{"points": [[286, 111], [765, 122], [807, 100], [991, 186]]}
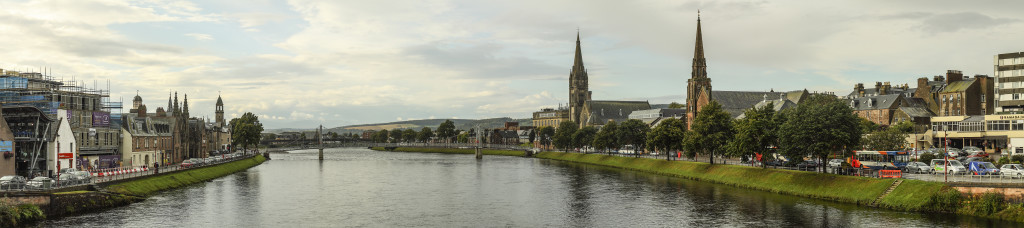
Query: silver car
{"points": [[1012, 170], [917, 167], [12, 182]]}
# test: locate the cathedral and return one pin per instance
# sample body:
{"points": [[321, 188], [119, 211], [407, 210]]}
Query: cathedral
{"points": [[698, 87], [587, 112]]}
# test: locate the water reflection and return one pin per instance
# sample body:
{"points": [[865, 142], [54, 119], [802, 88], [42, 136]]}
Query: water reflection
{"points": [[358, 187]]}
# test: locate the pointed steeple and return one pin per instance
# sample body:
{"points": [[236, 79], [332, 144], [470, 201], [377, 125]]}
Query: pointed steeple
{"points": [[184, 110], [169, 104], [177, 109], [577, 63], [699, 63]]}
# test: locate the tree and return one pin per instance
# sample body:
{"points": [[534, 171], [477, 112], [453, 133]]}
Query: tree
{"points": [[904, 126], [710, 131], [667, 136], [446, 130], [381, 136], [606, 138], [887, 139], [755, 133], [633, 132], [584, 137], [546, 134], [409, 135], [463, 137], [563, 135], [396, 135], [425, 134], [533, 136], [246, 130], [818, 126], [675, 105], [866, 125]]}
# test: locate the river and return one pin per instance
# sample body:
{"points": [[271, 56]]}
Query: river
{"points": [[360, 187]]}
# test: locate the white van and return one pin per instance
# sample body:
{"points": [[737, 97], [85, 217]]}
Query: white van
{"points": [[952, 166]]}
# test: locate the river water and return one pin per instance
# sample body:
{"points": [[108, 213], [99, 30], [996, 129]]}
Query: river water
{"points": [[357, 187]]}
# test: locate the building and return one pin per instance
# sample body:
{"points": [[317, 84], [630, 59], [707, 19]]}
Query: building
{"points": [[698, 87], [7, 157], [550, 117], [148, 137], [599, 113], [879, 109], [64, 153], [33, 131], [653, 116], [1009, 77], [970, 96], [1003, 132], [367, 134], [579, 92], [777, 104]]}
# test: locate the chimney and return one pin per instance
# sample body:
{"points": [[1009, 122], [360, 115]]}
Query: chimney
{"points": [[885, 89], [878, 88], [142, 110], [938, 78], [859, 89], [953, 76]]}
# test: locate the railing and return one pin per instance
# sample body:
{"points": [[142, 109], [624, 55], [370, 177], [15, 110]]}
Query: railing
{"points": [[450, 145], [114, 174]]}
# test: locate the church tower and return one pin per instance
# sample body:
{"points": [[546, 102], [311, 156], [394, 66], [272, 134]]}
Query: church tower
{"points": [[220, 112], [579, 92], [698, 87]]}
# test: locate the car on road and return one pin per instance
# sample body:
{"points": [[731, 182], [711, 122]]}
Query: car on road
{"points": [[39, 183], [983, 168], [1012, 170], [948, 166], [187, 164], [954, 152], [917, 167], [805, 165], [12, 182], [978, 154], [972, 149]]}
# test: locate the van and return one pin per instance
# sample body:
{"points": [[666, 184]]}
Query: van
{"points": [[948, 166]]}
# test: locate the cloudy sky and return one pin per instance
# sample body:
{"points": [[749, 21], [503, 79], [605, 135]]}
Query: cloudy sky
{"points": [[301, 63]]}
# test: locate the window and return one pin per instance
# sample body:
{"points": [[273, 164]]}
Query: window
{"points": [[1016, 96]]}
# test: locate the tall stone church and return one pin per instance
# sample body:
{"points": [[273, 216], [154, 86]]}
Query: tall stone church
{"points": [[698, 87], [579, 92]]}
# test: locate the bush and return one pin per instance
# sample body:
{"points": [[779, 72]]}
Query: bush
{"points": [[926, 158], [1017, 158], [989, 203], [948, 200], [1004, 160]]}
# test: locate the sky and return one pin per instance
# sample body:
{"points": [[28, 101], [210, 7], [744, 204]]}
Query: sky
{"points": [[303, 63]]}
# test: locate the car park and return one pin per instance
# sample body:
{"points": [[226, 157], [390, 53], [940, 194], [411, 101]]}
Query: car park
{"points": [[1012, 170], [983, 168], [12, 182]]}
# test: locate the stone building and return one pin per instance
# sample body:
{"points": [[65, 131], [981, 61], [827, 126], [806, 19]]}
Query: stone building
{"points": [[550, 117], [698, 87], [579, 92], [599, 113], [1009, 77]]}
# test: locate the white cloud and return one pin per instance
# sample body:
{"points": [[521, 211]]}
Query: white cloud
{"points": [[199, 36]]}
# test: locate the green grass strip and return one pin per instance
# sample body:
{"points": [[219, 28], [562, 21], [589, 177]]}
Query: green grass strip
{"points": [[148, 186], [455, 151]]}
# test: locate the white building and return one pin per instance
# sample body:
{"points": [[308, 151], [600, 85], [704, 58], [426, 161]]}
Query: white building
{"points": [[63, 152], [1009, 74]]}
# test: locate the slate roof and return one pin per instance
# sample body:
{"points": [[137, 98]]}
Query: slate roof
{"points": [[916, 111], [777, 104], [958, 86], [618, 111], [735, 102], [874, 102], [650, 116]]}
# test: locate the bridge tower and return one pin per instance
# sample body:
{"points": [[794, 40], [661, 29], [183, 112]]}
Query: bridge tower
{"points": [[320, 137], [479, 143]]}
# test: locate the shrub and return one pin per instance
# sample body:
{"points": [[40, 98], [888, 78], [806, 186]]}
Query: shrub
{"points": [[1004, 160], [948, 200], [926, 158], [989, 203], [1017, 158]]}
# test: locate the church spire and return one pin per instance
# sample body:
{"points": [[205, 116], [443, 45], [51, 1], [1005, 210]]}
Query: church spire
{"points": [[699, 63], [577, 63]]}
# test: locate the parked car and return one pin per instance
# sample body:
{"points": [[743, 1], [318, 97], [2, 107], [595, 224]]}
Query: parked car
{"points": [[983, 168], [972, 149], [807, 165], [834, 164], [917, 167], [67, 180], [978, 154], [948, 166], [12, 182], [954, 152], [187, 164], [1012, 170], [39, 183]]}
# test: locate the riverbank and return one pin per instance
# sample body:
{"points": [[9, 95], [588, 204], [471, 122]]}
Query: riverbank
{"points": [[910, 195], [454, 151], [20, 208]]}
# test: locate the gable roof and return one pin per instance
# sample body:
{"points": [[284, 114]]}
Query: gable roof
{"points": [[618, 111], [916, 111], [874, 102], [735, 102], [958, 86]]}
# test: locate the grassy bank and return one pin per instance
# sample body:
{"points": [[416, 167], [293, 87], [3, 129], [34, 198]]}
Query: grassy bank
{"points": [[839, 188], [455, 151], [148, 186], [911, 195]]}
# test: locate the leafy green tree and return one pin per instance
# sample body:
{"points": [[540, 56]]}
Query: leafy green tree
{"points": [[667, 136], [246, 130], [425, 134], [606, 137], [633, 132], [819, 126], [755, 133], [887, 139], [866, 125], [563, 135], [409, 135], [446, 130], [463, 137], [584, 137], [675, 105], [381, 136], [546, 134], [533, 136], [710, 131], [396, 135], [904, 126]]}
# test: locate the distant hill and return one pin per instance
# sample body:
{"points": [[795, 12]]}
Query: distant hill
{"points": [[463, 124]]}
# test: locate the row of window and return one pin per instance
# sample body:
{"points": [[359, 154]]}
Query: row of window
{"points": [[992, 125], [1011, 61], [143, 143]]}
